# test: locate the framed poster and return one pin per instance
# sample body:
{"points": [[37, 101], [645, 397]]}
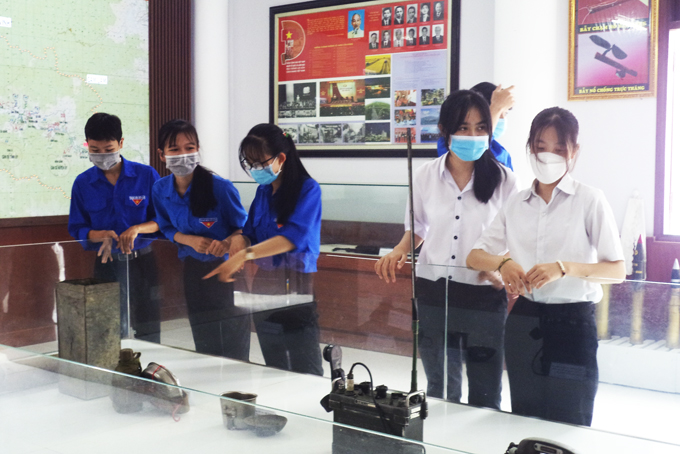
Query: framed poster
{"points": [[349, 79], [612, 48]]}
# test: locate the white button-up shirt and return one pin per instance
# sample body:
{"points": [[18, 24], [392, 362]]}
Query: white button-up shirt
{"points": [[577, 225], [450, 220]]}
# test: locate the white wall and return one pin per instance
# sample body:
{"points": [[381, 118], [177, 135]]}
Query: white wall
{"points": [[617, 137], [211, 81], [520, 42]]}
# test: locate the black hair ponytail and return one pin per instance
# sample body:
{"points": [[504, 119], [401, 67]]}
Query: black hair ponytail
{"points": [[202, 198]]}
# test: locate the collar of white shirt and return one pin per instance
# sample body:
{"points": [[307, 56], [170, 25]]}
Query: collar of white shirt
{"points": [[566, 185], [445, 175]]}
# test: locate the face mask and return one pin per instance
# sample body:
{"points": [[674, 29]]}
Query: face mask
{"points": [[183, 164], [264, 176], [469, 148], [499, 130], [550, 168], [105, 161]]}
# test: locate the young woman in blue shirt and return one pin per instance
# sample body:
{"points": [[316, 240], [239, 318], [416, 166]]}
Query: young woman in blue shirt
{"points": [[281, 237], [200, 212]]}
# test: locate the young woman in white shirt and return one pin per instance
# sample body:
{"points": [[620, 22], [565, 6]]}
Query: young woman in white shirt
{"points": [[455, 198], [552, 244]]}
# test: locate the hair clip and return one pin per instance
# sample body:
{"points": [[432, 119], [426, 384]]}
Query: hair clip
{"points": [[285, 134]]}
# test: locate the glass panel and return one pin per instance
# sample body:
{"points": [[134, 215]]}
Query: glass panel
{"points": [[616, 363], [29, 279], [73, 408], [339, 201], [637, 322]]}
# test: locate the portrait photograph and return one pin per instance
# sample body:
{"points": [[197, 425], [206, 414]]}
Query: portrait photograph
{"points": [[386, 17], [398, 40], [355, 24], [425, 13], [411, 36], [438, 34], [412, 14], [399, 15], [373, 40], [424, 35], [438, 13]]}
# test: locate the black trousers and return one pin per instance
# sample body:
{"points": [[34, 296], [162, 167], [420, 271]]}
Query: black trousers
{"points": [[138, 278], [289, 336], [551, 355], [217, 326], [471, 332]]}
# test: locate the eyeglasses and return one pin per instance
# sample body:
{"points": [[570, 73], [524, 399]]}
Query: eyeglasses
{"points": [[256, 165]]}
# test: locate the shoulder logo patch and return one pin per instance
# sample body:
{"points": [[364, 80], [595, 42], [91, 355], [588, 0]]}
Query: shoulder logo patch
{"points": [[208, 222], [137, 198]]}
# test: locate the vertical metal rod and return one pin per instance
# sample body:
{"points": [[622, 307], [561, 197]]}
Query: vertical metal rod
{"points": [[415, 322]]}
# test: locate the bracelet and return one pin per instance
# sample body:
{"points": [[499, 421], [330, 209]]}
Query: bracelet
{"points": [[503, 262], [250, 255], [562, 268]]}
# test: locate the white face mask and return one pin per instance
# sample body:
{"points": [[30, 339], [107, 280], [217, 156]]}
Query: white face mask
{"points": [[105, 161], [548, 167], [182, 165]]}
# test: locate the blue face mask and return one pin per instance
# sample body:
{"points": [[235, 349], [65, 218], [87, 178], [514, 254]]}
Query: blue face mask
{"points": [[264, 176], [469, 148], [499, 130]]}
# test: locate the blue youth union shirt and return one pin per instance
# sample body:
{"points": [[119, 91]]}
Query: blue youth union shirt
{"points": [[496, 148], [173, 214], [96, 204], [303, 228]]}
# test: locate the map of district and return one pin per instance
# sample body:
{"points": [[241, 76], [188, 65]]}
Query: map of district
{"points": [[60, 62]]}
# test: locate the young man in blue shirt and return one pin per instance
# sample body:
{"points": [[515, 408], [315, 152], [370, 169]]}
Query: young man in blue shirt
{"points": [[112, 202]]}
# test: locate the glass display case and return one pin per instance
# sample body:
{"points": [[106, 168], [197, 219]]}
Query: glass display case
{"points": [[637, 398]]}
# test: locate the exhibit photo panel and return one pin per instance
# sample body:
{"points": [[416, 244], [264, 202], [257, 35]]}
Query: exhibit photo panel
{"points": [[341, 92], [612, 49]]}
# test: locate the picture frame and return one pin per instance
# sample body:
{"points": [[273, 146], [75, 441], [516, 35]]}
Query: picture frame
{"points": [[612, 49], [350, 78]]}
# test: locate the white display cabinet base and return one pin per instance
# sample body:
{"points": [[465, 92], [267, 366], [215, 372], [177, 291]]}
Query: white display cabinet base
{"points": [[649, 365]]}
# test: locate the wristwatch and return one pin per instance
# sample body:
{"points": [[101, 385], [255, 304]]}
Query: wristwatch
{"points": [[250, 255]]}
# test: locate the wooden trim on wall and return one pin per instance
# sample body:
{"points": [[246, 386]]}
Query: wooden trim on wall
{"points": [[669, 13], [170, 57], [661, 94], [38, 220]]}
